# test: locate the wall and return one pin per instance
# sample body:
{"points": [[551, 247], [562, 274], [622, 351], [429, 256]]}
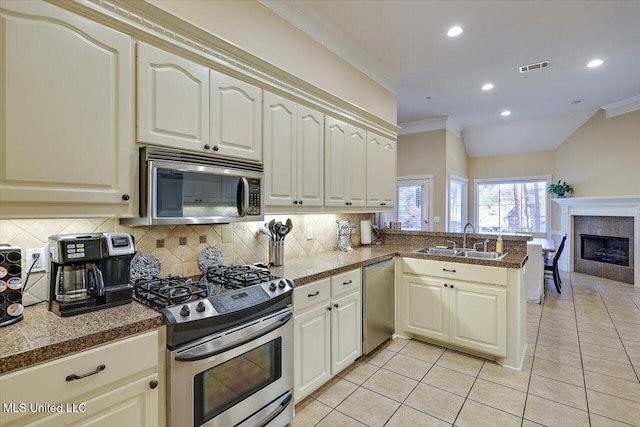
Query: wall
{"points": [[254, 28], [457, 160], [240, 243]]}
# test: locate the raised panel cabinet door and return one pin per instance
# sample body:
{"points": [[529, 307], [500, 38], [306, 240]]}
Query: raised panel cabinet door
{"points": [[346, 331], [335, 163], [311, 350], [388, 172], [426, 306], [236, 117], [357, 169], [67, 114], [310, 156], [279, 141], [173, 100], [134, 404], [478, 317], [375, 172]]}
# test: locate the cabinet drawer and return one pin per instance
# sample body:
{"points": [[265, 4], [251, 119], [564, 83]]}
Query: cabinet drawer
{"points": [[310, 295], [345, 282], [47, 383], [456, 270]]}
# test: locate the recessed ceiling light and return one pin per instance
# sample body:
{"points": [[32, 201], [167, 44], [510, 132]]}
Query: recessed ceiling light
{"points": [[488, 86], [454, 31], [505, 113], [595, 63], [428, 98]]}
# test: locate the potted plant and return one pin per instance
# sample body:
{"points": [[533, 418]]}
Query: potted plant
{"points": [[560, 189]]}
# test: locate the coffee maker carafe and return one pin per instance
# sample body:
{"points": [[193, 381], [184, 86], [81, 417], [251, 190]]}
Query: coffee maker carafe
{"points": [[89, 272]]}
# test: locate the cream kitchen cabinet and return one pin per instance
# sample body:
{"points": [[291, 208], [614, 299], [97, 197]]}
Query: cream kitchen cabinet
{"points": [[67, 119], [381, 171], [327, 330], [446, 302], [173, 100], [345, 164], [114, 384], [236, 117], [293, 153]]}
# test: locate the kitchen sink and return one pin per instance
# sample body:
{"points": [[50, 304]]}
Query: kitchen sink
{"points": [[464, 253]]}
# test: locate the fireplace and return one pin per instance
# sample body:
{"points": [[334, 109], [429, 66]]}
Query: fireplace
{"points": [[609, 249]]}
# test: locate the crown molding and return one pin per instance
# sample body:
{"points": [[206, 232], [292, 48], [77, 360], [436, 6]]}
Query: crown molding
{"points": [[454, 127], [622, 107], [426, 125], [300, 15]]}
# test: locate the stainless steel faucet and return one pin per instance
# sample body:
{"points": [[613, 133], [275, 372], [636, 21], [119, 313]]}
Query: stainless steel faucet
{"points": [[453, 243], [464, 236]]}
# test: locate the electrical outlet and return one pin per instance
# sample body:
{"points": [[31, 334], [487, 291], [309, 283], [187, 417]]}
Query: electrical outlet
{"points": [[309, 232], [39, 264], [436, 219]]}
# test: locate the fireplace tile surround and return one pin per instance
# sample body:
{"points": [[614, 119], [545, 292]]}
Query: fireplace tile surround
{"points": [[599, 208]]}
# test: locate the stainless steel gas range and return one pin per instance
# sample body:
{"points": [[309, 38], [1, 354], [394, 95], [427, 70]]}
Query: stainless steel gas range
{"points": [[229, 346]]}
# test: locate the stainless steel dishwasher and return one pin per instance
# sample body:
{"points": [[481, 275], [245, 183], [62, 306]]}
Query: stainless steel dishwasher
{"points": [[377, 304]]}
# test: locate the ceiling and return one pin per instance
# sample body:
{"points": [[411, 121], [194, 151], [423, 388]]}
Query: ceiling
{"points": [[403, 46]]}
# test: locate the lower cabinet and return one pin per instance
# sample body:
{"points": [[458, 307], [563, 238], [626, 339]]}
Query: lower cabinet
{"points": [[327, 330], [467, 314], [114, 384]]}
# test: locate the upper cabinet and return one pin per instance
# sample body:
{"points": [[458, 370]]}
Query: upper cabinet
{"points": [[381, 171], [185, 105], [173, 100], [67, 115], [236, 117], [345, 164], [293, 153]]}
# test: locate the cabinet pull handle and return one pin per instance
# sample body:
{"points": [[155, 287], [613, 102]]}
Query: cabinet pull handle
{"points": [[336, 305], [329, 308], [216, 148], [295, 202], [126, 197], [206, 146], [153, 384], [300, 202], [451, 286], [446, 286], [449, 271], [315, 294], [347, 283], [78, 377]]}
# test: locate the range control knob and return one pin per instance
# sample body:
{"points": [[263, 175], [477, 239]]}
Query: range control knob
{"points": [[272, 286], [185, 311], [200, 307], [282, 284]]}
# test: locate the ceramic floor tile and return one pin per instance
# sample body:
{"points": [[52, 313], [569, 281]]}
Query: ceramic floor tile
{"points": [[600, 421], [309, 412], [552, 414], [609, 331], [423, 351], [433, 401], [558, 391], [559, 343], [565, 373], [368, 407], [629, 335], [559, 356], [396, 344], [614, 386], [379, 357], [498, 396], [507, 377], [603, 340], [338, 419], [607, 353], [633, 350], [460, 362], [451, 381], [390, 384], [602, 366], [358, 373], [408, 366], [334, 392], [406, 416], [475, 414], [613, 407]]}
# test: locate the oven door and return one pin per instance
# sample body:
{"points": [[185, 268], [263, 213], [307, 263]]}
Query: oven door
{"points": [[240, 376]]}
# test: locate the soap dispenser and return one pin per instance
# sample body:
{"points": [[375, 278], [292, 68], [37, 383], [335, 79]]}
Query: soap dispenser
{"points": [[499, 245]]}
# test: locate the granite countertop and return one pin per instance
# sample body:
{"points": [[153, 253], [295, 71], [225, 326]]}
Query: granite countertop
{"points": [[42, 336]]}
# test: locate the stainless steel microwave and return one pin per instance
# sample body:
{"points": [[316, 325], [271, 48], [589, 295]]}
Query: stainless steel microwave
{"points": [[179, 187]]}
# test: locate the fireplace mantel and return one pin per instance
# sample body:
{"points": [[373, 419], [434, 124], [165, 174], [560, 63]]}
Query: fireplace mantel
{"points": [[628, 206]]}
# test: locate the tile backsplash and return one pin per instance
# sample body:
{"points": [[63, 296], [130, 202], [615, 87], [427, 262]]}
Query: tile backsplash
{"points": [[178, 246]]}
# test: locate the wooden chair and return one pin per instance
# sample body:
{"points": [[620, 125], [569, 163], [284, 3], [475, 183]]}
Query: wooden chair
{"points": [[551, 265]]}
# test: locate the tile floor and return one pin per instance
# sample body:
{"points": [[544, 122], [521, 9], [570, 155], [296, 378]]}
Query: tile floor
{"points": [[582, 368]]}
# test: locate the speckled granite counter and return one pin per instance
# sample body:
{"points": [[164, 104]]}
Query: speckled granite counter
{"points": [[42, 336], [314, 267]]}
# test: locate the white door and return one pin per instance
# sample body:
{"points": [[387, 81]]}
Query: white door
{"points": [[346, 331], [357, 166], [426, 306], [311, 350], [413, 199], [310, 155], [335, 146]]}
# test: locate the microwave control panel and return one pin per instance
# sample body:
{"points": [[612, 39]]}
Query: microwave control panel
{"points": [[254, 196]]}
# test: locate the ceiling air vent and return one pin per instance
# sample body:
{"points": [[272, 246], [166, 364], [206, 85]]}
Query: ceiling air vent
{"points": [[533, 67]]}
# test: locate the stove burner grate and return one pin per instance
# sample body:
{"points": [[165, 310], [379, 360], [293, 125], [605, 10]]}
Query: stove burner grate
{"points": [[158, 293], [238, 276]]}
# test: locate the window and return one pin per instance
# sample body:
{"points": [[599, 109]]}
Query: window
{"points": [[512, 205], [457, 203], [413, 199]]}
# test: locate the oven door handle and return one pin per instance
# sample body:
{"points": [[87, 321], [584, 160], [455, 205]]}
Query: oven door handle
{"points": [[283, 405], [194, 354]]}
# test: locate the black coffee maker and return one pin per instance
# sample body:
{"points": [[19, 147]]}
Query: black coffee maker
{"points": [[89, 272]]}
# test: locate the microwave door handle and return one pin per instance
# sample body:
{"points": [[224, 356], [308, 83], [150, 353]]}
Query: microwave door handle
{"points": [[245, 196]]}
